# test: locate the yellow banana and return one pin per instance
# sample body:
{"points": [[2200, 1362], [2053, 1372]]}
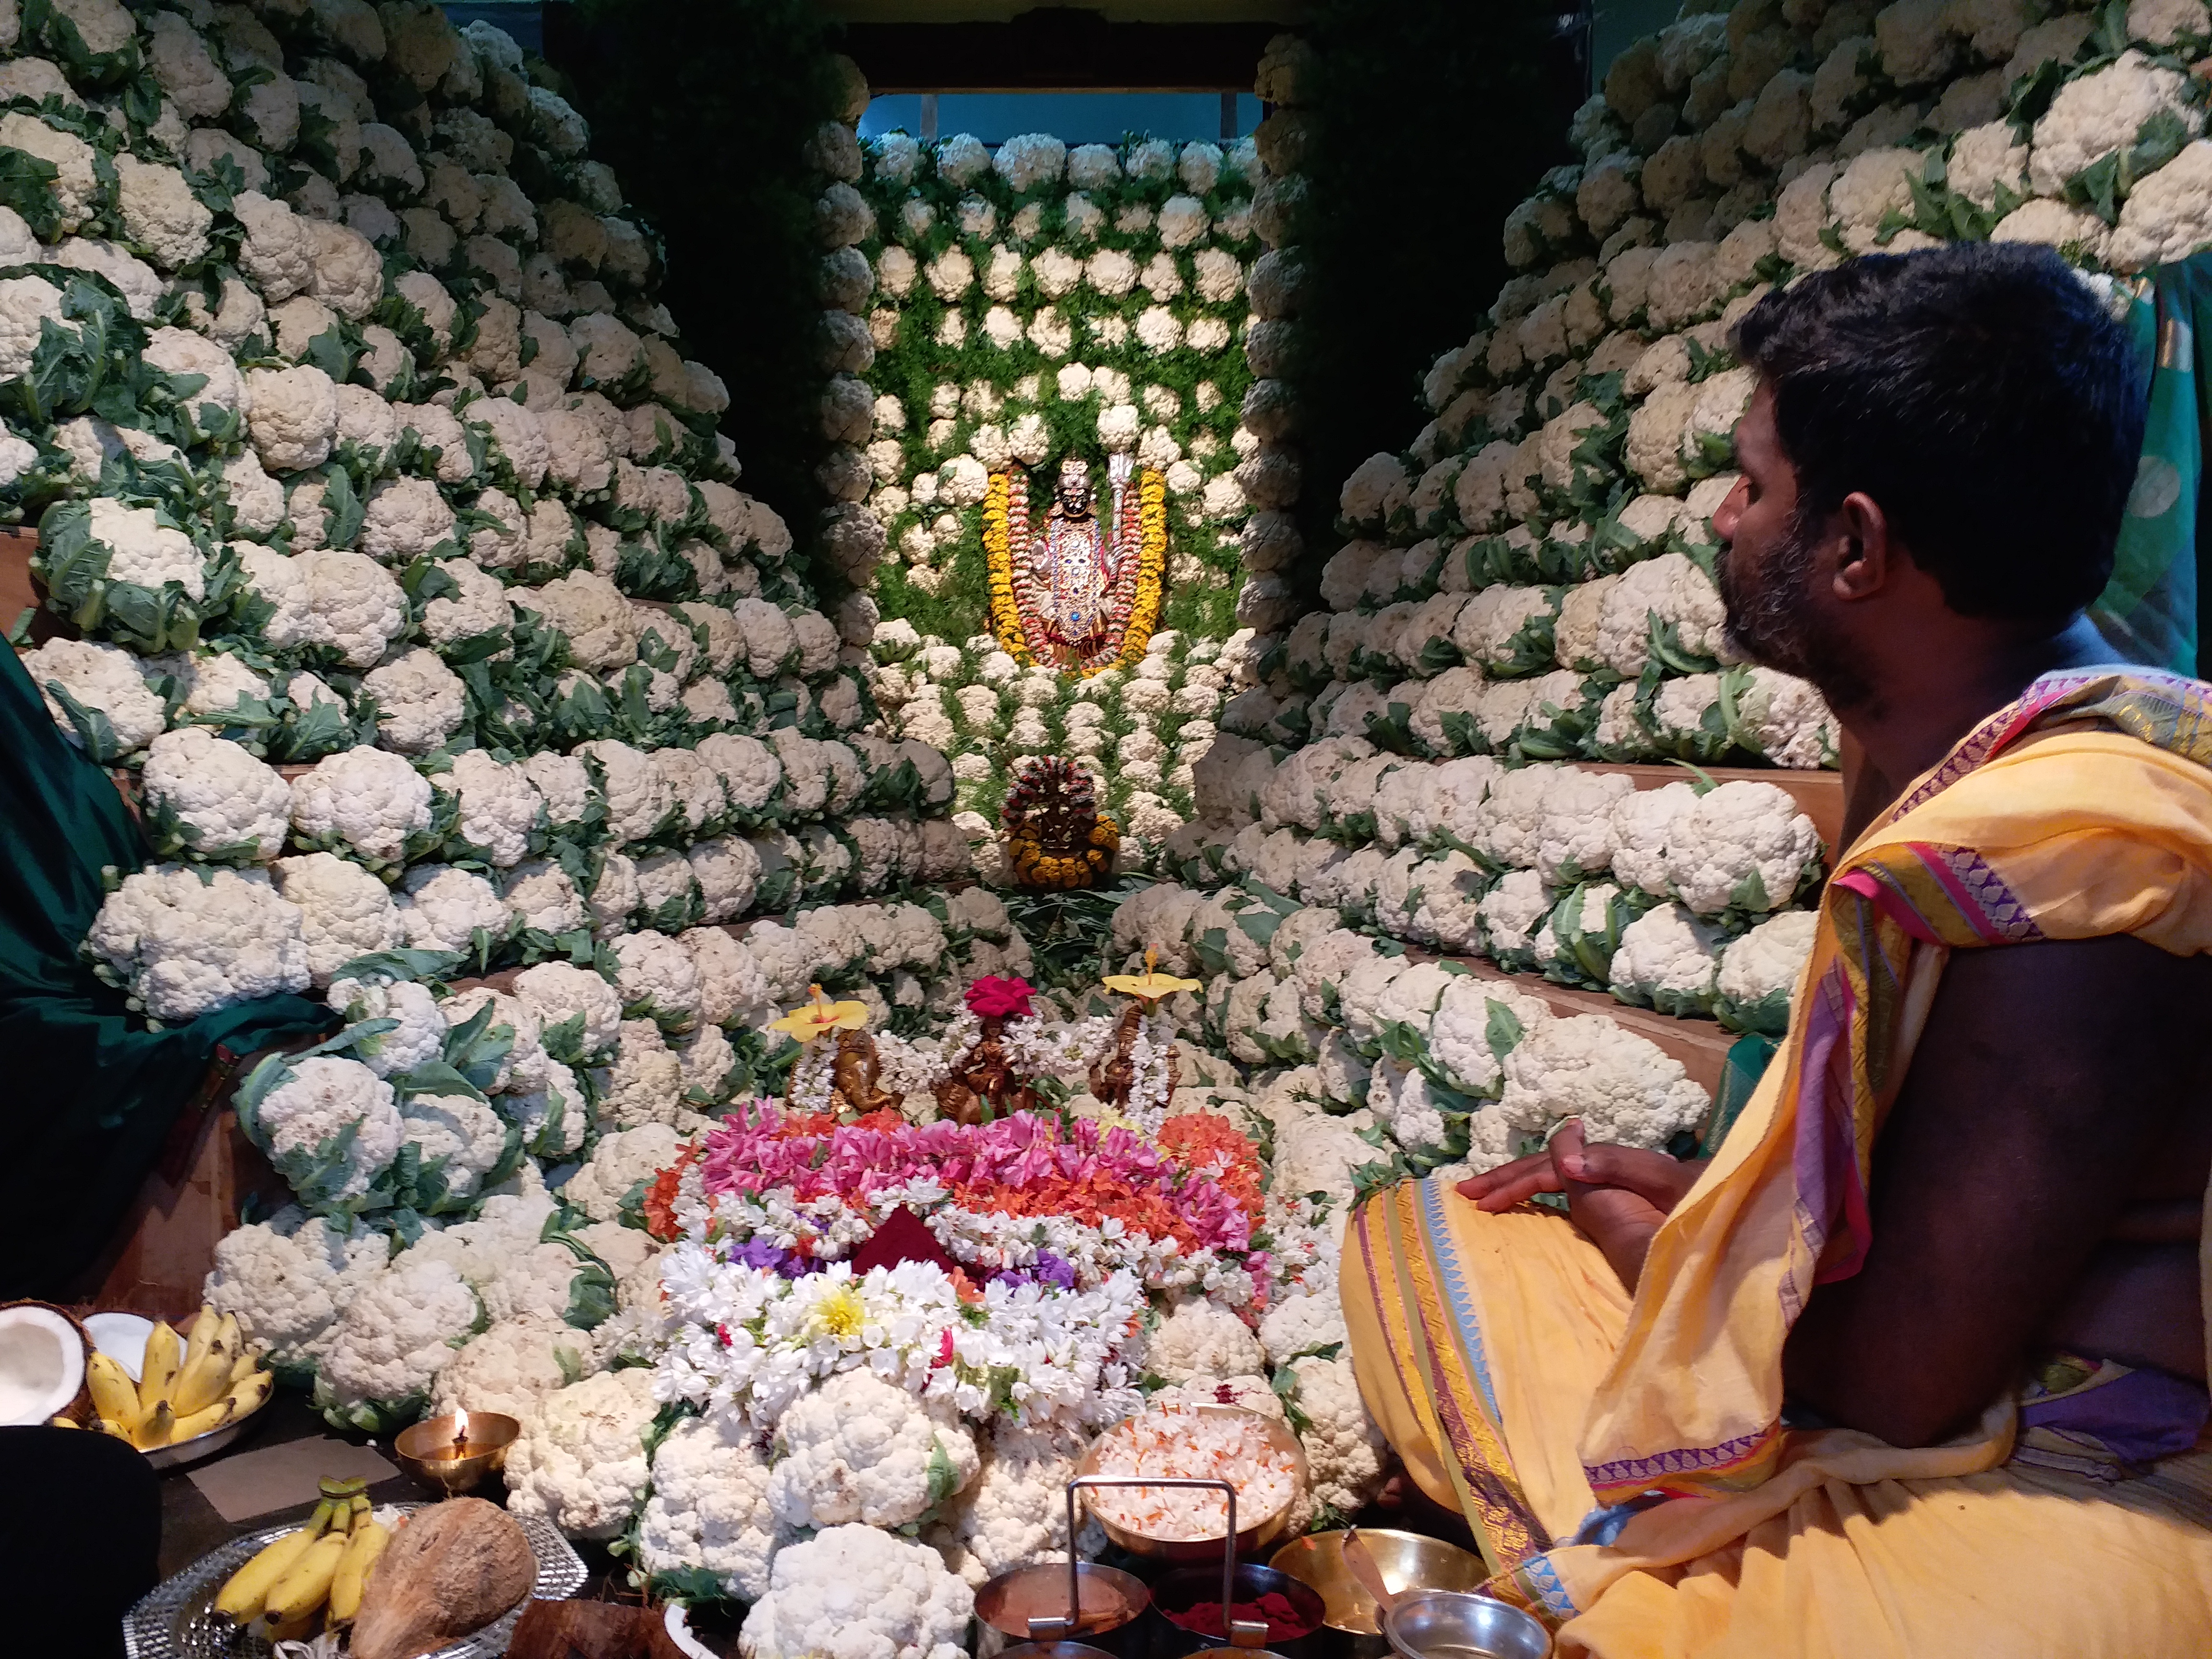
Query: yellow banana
{"points": [[201, 1383], [201, 1422], [157, 1428], [203, 1336], [157, 1372], [366, 1543], [109, 1425], [244, 1399], [245, 1366], [64, 1423], [114, 1395], [307, 1584], [245, 1591]]}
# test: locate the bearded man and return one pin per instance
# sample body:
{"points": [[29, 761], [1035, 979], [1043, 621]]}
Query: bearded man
{"points": [[1916, 1364]]}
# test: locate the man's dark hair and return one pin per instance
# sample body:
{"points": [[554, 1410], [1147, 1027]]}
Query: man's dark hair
{"points": [[1982, 395]]}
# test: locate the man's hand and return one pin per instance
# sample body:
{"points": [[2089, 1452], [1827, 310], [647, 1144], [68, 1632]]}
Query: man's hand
{"points": [[1618, 1196]]}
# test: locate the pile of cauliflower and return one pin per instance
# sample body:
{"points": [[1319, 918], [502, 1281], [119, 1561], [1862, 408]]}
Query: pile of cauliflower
{"points": [[412, 583], [1139, 732], [1532, 577], [1006, 301]]}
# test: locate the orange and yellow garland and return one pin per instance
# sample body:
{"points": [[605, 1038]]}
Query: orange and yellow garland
{"points": [[998, 556]]}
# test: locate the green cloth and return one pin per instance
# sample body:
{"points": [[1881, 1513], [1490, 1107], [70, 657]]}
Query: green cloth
{"points": [[1748, 1060], [2148, 609], [91, 1093]]}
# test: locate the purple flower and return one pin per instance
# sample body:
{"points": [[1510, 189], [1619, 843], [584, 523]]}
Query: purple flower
{"points": [[759, 1252]]}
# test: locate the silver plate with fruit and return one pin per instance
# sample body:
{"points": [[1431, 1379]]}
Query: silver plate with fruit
{"points": [[178, 1620]]}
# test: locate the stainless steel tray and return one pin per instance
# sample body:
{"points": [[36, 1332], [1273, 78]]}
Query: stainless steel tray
{"points": [[177, 1621]]}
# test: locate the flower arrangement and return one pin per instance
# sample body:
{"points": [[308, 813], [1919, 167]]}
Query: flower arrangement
{"points": [[1056, 1234], [1056, 837]]}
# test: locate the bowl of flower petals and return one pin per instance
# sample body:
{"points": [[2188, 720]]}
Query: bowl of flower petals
{"points": [[1260, 1458]]}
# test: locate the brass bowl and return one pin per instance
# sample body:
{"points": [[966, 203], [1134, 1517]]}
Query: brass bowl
{"points": [[1254, 1533], [427, 1449], [1407, 1561]]}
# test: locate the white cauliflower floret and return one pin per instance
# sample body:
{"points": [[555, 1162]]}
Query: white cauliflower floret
{"points": [[1743, 845], [580, 1462], [860, 1448], [500, 806], [99, 677], [1298, 1325], [226, 805], [1346, 1452], [600, 626], [2103, 111], [1475, 1025], [1511, 912], [161, 214], [512, 1366], [294, 416], [1672, 590], [859, 1592], [657, 980], [420, 702], [188, 942], [636, 791], [1201, 1336], [346, 912], [1666, 960], [459, 1136], [314, 1103], [366, 799], [146, 548], [354, 605], [2168, 215], [444, 905], [1014, 1514], [623, 1158], [645, 1082], [420, 1035], [1758, 972], [404, 519], [1317, 1154], [286, 1279], [1574, 829], [1623, 1087], [709, 1506]]}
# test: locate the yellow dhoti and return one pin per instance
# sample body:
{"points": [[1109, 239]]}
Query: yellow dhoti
{"points": [[1622, 1461]]}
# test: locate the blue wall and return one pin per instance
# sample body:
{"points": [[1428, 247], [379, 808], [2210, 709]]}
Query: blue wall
{"points": [[1080, 117]]}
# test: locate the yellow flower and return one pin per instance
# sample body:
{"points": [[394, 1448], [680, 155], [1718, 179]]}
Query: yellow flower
{"points": [[820, 1015], [841, 1314], [1150, 986]]}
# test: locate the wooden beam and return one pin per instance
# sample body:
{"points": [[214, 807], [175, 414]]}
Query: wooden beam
{"points": [[1060, 50]]}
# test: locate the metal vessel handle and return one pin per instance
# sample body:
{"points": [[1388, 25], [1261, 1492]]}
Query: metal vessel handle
{"points": [[1241, 1633]]}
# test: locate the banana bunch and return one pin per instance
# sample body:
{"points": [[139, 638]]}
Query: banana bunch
{"points": [[184, 1389], [322, 1564]]}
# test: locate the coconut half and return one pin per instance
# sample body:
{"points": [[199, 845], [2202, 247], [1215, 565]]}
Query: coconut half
{"points": [[43, 1356]]}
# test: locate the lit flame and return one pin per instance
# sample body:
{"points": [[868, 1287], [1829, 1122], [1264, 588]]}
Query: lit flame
{"points": [[460, 1431]]}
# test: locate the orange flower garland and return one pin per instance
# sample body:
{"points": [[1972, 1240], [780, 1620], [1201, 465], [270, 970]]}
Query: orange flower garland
{"points": [[1003, 504]]}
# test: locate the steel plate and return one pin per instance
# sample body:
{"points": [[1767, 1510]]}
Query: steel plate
{"points": [[177, 1619]]}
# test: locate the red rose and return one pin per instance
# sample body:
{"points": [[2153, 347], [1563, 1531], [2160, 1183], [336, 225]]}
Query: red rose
{"points": [[995, 998]]}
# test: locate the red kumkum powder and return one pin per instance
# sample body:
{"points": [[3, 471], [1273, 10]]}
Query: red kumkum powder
{"points": [[1283, 1621]]}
